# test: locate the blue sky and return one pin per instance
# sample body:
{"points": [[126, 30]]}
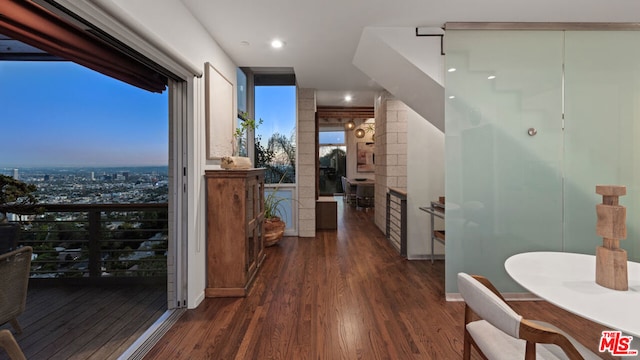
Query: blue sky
{"points": [[276, 105], [62, 114]]}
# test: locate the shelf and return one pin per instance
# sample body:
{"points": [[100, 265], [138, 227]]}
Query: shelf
{"points": [[435, 209]]}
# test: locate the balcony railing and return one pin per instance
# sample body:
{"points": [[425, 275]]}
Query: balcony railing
{"points": [[98, 241]]}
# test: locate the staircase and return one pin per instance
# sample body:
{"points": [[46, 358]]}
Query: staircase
{"points": [[408, 66]]}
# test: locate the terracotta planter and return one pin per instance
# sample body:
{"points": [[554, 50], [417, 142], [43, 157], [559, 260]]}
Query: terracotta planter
{"points": [[273, 230]]}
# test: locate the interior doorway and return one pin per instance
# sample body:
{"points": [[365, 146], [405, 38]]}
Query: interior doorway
{"points": [[336, 146], [333, 163]]}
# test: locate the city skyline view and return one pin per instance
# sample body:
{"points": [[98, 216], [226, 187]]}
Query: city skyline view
{"points": [[60, 114]]}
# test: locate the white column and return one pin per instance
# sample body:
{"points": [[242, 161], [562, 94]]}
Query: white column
{"points": [[306, 154]]}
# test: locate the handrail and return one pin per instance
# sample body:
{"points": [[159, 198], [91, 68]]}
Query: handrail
{"points": [[109, 206], [98, 240]]}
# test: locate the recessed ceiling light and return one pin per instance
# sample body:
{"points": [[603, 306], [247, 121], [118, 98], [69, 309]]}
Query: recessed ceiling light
{"points": [[452, 97], [491, 77], [451, 69], [277, 44], [347, 98]]}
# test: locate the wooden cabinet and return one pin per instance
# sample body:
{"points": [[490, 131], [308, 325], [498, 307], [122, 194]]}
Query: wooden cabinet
{"points": [[235, 242]]}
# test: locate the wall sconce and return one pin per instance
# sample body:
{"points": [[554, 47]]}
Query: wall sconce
{"points": [[349, 125], [359, 133]]}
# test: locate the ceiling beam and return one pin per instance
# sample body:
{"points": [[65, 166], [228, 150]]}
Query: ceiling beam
{"points": [[541, 26], [337, 112]]}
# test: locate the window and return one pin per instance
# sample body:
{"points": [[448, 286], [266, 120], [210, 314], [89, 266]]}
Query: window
{"points": [[273, 145], [275, 140], [243, 97], [242, 90]]}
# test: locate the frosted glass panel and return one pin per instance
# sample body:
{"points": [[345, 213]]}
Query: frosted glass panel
{"points": [[602, 123], [503, 187]]}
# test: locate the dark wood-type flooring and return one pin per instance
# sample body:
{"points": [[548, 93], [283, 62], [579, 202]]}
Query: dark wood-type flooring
{"points": [[344, 294], [86, 322]]}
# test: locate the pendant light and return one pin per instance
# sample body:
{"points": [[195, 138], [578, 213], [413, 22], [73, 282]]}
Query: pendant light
{"points": [[349, 125]]}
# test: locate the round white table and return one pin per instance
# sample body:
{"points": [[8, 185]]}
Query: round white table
{"points": [[567, 280]]}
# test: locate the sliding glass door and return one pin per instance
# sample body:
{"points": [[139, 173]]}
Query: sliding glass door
{"points": [[503, 180], [534, 121], [602, 96]]}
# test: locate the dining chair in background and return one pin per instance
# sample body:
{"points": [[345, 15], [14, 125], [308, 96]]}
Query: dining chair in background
{"points": [[344, 187], [349, 190], [364, 195], [14, 272], [8, 237], [501, 333]]}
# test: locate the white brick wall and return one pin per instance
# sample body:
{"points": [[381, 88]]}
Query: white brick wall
{"points": [[306, 162], [391, 151]]}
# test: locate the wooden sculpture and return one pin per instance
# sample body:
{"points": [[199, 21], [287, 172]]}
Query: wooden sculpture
{"points": [[611, 260]]}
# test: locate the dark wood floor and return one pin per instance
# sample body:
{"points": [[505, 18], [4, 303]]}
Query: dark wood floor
{"points": [[345, 294], [86, 322]]}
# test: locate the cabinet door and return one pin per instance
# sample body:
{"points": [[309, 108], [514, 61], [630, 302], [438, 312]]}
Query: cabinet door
{"points": [[503, 186], [251, 215]]}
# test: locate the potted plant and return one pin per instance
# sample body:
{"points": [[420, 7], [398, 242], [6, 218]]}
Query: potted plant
{"points": [[15, 197], [273, 214], [237, 160], [239, 134]]}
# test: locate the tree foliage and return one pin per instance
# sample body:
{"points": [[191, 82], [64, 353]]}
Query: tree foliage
{"points": [[16, 197], [279, 158], [337, 155], [264, 155], [239, 135]]}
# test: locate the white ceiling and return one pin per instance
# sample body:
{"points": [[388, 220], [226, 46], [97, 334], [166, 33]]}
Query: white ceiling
{"points": [[321, 36]]}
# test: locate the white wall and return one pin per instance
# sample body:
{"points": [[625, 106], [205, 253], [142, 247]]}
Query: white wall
{"points": [[352, 150], [411, 153], [173, 23], [422, 51], [425, 182], [382, 49]]}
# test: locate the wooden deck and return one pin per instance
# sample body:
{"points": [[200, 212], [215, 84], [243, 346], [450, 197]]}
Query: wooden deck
{"points": [[344, 294], [86, 322]]}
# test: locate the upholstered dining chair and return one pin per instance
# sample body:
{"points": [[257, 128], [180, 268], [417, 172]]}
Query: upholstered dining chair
{"points": [[364, 194], [14, 272], [9, 344], [501, 333], [344, 187], [348, 189]]}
